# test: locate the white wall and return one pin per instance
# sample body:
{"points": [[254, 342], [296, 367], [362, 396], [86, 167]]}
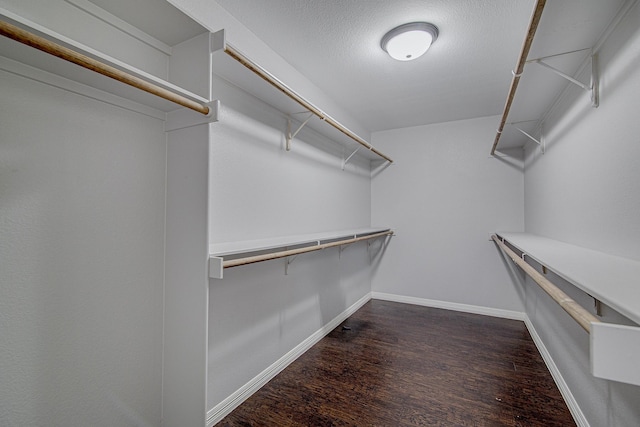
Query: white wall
{"points": [[444, 195], [258, 190], [81, 259], [584, 191]]}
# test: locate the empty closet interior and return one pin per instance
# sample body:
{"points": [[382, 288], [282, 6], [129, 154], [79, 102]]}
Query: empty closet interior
{"points": [[183, 212]]}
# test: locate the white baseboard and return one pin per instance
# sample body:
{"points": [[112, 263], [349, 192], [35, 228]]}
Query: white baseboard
{"points": [[466, 308], [225, 407], [572, 404]]}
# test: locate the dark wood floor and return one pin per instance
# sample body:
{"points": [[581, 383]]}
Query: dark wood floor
{"points": [[396, 364]]}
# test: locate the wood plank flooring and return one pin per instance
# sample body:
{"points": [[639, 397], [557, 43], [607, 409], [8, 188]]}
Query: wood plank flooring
{"points": [[394, 364]]}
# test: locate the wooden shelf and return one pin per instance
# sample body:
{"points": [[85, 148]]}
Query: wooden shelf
{"points": [[232, 66], [43, 61], [611, 279], [221, 255]]}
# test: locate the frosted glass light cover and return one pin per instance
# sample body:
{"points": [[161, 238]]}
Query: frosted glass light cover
{"points": [[410, 45], [409, 41]]}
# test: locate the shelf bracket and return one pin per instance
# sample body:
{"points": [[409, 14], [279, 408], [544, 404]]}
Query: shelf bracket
{"points": [[541, 143], [288, 261], [598, 306], [593, 88], [345, 161], [290, 135]]}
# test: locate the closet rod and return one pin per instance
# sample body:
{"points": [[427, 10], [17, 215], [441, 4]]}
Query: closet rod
{"points": [[575, 310], [533, 26], [47, 46], [291, 252], [235, 54]]}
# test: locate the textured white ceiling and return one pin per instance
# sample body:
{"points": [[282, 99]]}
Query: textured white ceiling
{"points": [[466, 73]]}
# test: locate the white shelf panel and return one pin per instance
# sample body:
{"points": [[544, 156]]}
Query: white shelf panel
{"points": [[236, 248], [228, 255], [608, 278], [35, 58]]}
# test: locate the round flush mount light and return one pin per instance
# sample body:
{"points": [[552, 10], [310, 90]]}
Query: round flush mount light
{"points": [[409, 41]]}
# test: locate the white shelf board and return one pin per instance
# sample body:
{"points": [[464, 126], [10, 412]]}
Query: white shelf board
{"points": [[231, 70], [246, 246], [35, 58], [611, 279]]}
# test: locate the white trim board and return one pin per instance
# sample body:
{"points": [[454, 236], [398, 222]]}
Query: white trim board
{"points": [[225, 407], [466, 308], [572, 404]]}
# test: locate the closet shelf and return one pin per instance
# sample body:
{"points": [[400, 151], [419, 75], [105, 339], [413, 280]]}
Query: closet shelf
{"points": [[236, 68], [548, 75], [522, 59], [233, 254], [610, 279], [150, 90]]}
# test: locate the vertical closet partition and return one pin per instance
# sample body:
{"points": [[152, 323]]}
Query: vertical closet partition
{"points": [[100, 57]]}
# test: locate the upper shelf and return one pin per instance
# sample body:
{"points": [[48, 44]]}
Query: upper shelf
{"points": [[33, 57], [230, 64], [561, 60], [608, 278]]}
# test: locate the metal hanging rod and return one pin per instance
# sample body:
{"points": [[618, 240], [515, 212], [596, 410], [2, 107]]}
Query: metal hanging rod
{"points": [[25, 37], [235, 54], [575, 310], [533, 26]]}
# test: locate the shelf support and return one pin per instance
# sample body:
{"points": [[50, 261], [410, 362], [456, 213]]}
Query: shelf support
{"points": [[541, 143], [593, 88], [345, 161], [597, 305], [290, 135], [288, 262]]}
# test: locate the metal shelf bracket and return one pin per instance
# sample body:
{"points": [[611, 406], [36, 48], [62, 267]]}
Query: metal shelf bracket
{"points": [[345, 161], [541, 143], [290, 135], [593, 88], [288, 261]]}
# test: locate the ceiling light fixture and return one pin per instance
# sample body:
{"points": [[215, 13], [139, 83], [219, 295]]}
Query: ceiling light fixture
{"points": [[409, 41]]}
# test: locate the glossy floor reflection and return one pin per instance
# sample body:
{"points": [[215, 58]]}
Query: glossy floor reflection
{"points": [[394, 364]]}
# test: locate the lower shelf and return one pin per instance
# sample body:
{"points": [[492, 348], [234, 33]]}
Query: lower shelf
{"points": [[229, 255]]}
